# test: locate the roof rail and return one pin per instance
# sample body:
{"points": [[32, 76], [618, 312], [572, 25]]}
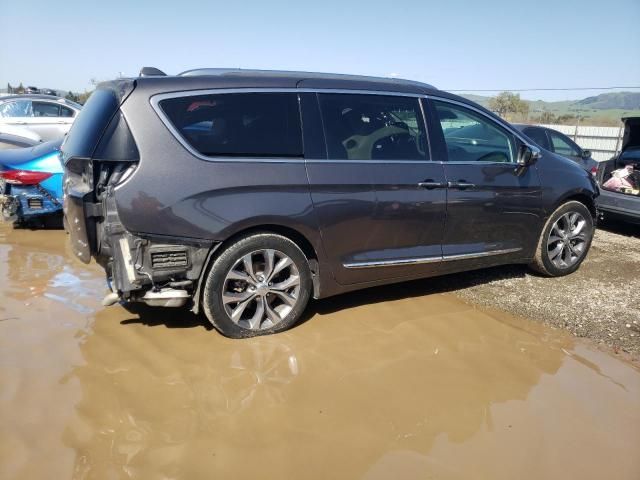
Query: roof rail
{"points": [[285, 73], [151, 72]]}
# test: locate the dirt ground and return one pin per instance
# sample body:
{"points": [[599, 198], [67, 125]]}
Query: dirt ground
{"points": [[405, 381], [601, 301]]}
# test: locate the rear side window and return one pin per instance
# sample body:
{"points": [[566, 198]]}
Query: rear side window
{"points": [[238, 124], [66, 112], [563, 145], [373, 127], [538, 135], [46, 109]]}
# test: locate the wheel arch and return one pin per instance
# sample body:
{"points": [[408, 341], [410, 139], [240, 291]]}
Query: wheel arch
{"points": [[582, 196], [292, 234]]}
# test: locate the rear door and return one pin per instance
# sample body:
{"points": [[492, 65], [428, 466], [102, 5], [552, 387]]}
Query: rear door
{"points": [[379, 198], [493, 207], [50, 120]]}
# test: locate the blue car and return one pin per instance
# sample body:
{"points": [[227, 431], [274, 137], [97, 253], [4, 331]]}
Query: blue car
{"points": [[31, 183]]}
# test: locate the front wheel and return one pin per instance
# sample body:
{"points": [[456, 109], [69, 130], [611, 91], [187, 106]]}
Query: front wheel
{"points": [[565, 240], [258, 285]]}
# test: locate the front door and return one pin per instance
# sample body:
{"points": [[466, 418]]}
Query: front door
{"points": [[379, 199], [494, 207]]}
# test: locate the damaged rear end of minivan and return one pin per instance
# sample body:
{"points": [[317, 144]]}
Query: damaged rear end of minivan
{"points": [[99, 156]]}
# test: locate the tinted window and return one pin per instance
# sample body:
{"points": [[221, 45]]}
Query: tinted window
{"points": [[66, 112], [18, 108], [373, 127], [90, 124], [473, 137], [239, 124], [46, 109], [563, 145], [538, 135]]}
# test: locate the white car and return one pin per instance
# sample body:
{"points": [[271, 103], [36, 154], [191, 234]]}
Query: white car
{"points": [[46, 116]]}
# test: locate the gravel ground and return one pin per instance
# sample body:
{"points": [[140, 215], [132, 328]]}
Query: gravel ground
{"points": [[600, 301]]}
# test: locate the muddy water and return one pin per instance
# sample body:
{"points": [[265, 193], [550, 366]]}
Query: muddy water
{"points": [[399, 382]]}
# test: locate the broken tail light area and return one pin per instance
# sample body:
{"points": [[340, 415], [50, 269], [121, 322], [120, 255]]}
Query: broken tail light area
{"points": [[24, 177]]}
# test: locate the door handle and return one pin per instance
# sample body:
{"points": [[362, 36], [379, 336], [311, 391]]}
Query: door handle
{"points": [[461, 185], [430, 184]]}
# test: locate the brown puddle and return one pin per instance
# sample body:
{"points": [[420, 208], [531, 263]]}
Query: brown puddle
{"points": [[375, 386]]}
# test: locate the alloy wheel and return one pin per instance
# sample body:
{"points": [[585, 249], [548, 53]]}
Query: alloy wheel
{"points": [[260, 289], [567, 240]]}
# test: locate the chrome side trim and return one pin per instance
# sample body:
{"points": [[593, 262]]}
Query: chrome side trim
{"points": [[490, 253], [421, 260], [392, 263]]}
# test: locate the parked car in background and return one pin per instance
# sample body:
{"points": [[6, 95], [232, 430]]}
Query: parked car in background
{"points": [[245, 193], [619, 178], [47, 116], [559, 143], [31, 183]]}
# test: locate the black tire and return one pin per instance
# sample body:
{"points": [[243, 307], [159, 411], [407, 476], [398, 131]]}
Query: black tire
{"points": [[542, 262], [212, 302]]}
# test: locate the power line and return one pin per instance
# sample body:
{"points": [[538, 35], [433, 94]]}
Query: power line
{"points": [[536, 89]]}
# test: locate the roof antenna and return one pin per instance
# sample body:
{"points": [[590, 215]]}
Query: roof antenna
{"points": [[151, 72]]}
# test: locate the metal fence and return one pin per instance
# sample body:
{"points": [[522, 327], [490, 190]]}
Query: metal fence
{"points": [[603, 142]]}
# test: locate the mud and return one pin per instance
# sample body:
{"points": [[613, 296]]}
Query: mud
{"points": [[398, 382], [600, 301]]}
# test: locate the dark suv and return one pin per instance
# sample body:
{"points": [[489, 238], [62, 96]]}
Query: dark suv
{"points": [[244, 193]]}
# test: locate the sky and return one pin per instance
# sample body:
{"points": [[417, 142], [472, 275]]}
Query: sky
{"points": [[453, 45]]}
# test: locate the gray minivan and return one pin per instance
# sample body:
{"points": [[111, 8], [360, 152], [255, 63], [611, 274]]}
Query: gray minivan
{"points": [[245, 193]]}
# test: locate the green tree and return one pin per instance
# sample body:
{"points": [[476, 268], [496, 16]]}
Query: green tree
{"points": [[546, 118], [71, 96], [83, 97], [508, 104], [20, 89], [9, 88]]}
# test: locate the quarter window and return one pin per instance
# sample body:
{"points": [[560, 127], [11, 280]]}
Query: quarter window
{"points": [[66, 112], [373, 127], [238, 124], [18, 108], [472, 137]]}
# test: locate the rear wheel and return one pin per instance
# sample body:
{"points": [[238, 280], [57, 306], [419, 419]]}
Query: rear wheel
{"points": [[565, 240], [258, 285]]}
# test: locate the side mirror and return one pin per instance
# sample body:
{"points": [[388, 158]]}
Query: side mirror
{"points": [[528, 155], [586, 154]]}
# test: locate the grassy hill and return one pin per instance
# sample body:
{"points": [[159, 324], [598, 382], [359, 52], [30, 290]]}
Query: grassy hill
{"points": [[604, 109]]}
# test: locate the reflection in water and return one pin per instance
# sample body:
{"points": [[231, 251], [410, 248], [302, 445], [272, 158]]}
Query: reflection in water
{"points": [[417, 386]]}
